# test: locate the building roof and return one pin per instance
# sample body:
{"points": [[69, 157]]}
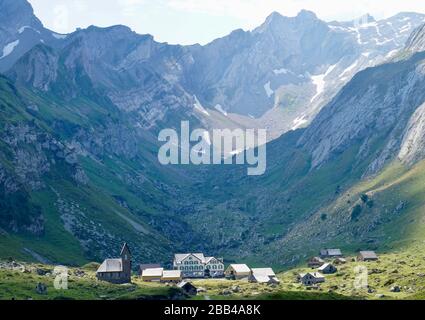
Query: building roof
{"points": [[369, 254], [263, 272], [262, 278], [331, 252], [324, 266], [171, 274], [240, 268], [149, 266], [157, 272], [208, 259], [316, 275], [125, 247], [111, 265], [179, 257], [185, 284]]}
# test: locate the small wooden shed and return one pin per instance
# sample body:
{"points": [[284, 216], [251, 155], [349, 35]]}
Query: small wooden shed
{"points": [[238, 271], [328, 268], [367, 256], [188, 288]]}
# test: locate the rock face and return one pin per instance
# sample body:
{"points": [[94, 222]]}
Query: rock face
{"points": [[375, 106], [277, 77], [20, 31], [416, 42]]}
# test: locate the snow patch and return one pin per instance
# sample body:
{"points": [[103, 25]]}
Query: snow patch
{"points": [[268, 89], [22, 29], [59, 36], [220, 109], [299, 122], [8, 49], [319, 82], [198, 106]]}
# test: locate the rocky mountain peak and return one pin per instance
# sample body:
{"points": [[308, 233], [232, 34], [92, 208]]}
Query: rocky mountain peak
{"points": [[306, 15], [16, 14]]}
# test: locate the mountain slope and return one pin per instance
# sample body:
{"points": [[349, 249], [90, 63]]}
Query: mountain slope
{"points": [[312, 194], [79, 122]]}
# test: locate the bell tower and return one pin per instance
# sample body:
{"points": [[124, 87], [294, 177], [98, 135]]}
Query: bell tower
{"points": [[126, 261]]}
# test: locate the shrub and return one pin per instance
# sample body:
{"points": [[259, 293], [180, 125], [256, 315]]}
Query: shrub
{"points": [[355, 213], [364, 198], [370, 204]]}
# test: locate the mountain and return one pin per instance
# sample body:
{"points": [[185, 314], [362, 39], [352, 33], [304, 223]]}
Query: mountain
{"points": [[286, 70], [20, 31], [351, 179], [277, 76], [80, 116]]}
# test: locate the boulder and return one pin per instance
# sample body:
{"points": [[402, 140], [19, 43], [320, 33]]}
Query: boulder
{"points": [[236, 289], [395, 289], [226, 292], [41, 288]]}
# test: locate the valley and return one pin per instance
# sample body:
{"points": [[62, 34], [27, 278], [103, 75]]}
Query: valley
{"points": [[343, 103]]}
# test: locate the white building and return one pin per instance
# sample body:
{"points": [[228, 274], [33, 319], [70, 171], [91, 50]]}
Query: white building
{"points": [[196, 265], [263, 275]]}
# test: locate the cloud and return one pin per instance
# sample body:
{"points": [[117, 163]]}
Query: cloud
{"points": [[61, 21]]}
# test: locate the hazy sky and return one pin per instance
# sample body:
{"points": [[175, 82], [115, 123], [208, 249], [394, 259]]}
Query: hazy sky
{"points": [[200, 21]]}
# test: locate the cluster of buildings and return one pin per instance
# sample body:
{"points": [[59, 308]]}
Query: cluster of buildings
{"points": [[185, 266], [196, 265], [324, 265]]}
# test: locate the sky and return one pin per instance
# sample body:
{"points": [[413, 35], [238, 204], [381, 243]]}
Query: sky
{"points": [[201, 21]]}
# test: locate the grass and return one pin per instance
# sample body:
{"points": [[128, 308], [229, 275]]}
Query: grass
{"points": [[21, 286], [405, 269]]}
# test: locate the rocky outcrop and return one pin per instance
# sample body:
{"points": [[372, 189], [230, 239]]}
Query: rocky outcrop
{"points": [[375, 107], [413, 144], [416, 42]]}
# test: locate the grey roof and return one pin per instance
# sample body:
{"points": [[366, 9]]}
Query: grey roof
{"points": [[179, 257], [240, 268], [184, 283], [149, 266], [110, 265], [334, 252], [369, 254], [208, 259], [316, 275], [262, 278], [171, 274], [125, 247], [263, 272], [325, 266], [157, 272]]}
